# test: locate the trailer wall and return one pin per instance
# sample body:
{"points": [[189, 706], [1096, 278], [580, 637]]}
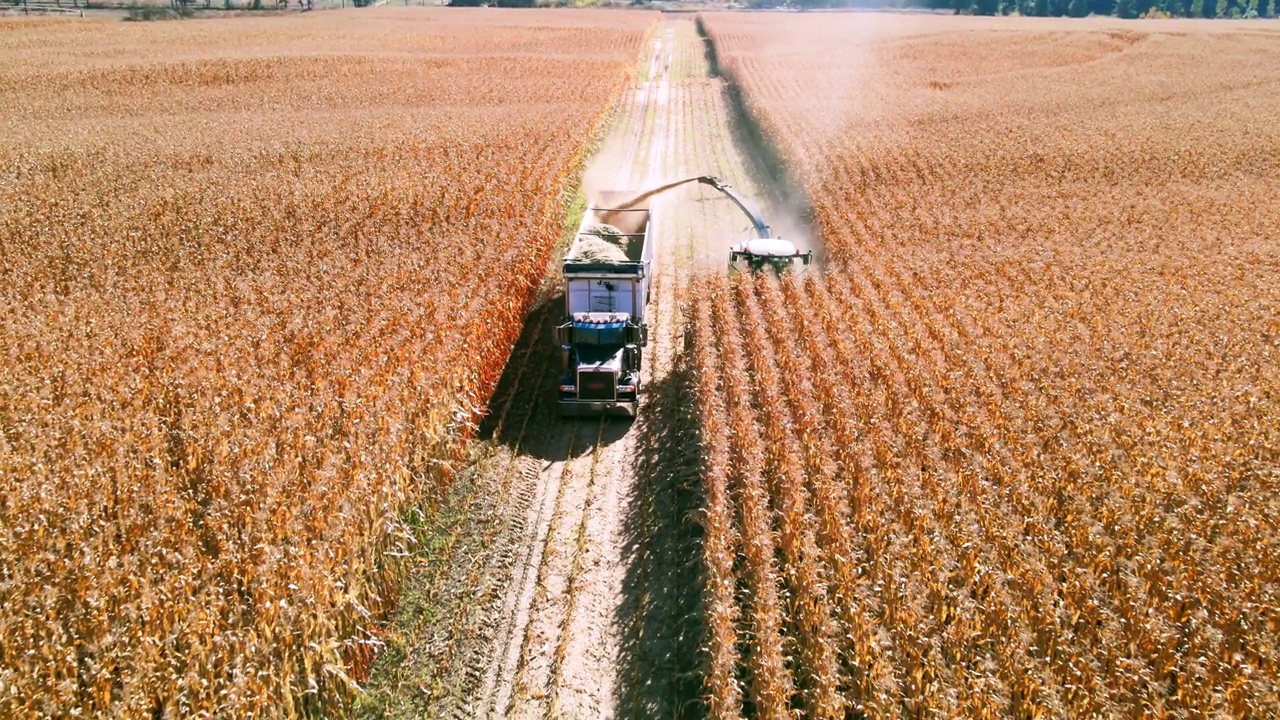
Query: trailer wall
{"points": [[613, 287]]}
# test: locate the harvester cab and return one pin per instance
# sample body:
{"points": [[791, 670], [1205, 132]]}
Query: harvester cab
{"points": [[775, 253]]}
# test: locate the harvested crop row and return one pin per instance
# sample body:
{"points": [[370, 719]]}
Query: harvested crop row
{"points": [[258, 278], [1035, 389]]}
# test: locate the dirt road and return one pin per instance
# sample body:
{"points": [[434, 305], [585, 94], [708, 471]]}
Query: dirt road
{"points": [[567, 581]]}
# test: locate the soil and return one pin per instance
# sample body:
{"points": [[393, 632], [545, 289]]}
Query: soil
{"points": [[568, 581]]}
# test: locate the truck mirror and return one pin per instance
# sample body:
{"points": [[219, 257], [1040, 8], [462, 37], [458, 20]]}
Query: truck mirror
{"points": [[639, 335], [561, 333]]}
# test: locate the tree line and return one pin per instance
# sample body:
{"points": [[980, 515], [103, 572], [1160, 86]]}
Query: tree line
{"points": [[1058, 8]]}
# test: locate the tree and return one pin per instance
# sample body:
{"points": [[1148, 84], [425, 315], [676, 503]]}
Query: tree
{"points": [[1078, 8], [1126, 9]]}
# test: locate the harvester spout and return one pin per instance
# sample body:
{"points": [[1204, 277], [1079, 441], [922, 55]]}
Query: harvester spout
{"points": [[763, 251], [762, 228]]}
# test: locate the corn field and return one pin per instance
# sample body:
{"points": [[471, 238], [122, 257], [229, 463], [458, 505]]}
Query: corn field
{"points": [[259, 278], [1015, 450]]}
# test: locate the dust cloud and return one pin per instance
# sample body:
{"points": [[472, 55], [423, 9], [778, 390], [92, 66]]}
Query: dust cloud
{"points": [[605, 170], [841, 64]]}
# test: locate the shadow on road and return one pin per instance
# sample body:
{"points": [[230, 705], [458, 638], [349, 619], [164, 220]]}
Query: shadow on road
{"points": [[659, 670], [522, 412]]}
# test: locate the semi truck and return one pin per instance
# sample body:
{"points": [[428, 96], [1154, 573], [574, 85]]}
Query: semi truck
{"points": [[603, 333]]}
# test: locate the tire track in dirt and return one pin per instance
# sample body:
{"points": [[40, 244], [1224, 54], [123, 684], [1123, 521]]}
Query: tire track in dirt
{"points": [[546, 610]]}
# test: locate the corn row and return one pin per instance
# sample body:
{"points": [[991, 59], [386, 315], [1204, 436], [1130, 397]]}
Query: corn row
{"points": [[810, 607], [824, 462], [771, 682], [720, 539]]}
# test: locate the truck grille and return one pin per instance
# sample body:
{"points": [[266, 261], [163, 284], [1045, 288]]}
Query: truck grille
{"points": [[593, 385]]}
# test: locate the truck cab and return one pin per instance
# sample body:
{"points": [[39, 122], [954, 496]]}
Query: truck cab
{"points": [[600, 360]]}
